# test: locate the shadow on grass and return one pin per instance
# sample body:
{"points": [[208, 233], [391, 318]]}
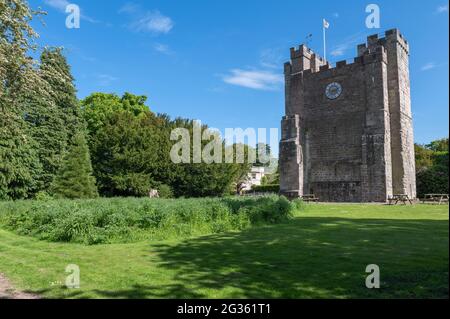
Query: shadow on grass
{"points": [[307, 258], [134, 292]]}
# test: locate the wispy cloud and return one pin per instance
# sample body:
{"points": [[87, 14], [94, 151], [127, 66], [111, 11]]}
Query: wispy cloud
{"points": [[153, 22], [348, 43], [162, 48], [443, 8], [429, 66], [61, 6], [129, 8], [340, 50], [254, 79], [78, 52], [336, 15], [58, 4], [105, 79], [147, 21], [271, 58]]}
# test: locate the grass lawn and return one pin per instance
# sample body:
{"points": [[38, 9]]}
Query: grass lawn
{"points": [[322, 253]]}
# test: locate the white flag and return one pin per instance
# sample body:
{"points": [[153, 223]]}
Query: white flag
{"points": [[326, 24]]}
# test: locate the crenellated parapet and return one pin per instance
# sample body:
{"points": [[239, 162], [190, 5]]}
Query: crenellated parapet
{"points": [[392, 36], [303, 59]]}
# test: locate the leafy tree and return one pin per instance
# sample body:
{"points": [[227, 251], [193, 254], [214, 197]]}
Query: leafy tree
{"points": [[75, 179], [46, 126], [55, 70], [53, 122], [124, 139], [432, 162], [124, 154], [99, 106], [439, 145], [131, 146], [263, 154], [19, 163], [424, 158]]}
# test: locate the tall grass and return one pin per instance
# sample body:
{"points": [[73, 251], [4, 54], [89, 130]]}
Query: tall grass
{"points": [[131, 219]]}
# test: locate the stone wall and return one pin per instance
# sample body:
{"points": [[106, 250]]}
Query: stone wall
{"points": [[358, 147]]}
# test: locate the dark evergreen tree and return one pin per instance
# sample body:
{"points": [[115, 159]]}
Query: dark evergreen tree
{"points": [[125, 154], [52, 121], [131, 147], [56, 72], [75, 179]]}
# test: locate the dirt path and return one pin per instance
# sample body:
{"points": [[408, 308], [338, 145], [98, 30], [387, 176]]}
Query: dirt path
{"points": [[7, 291]]}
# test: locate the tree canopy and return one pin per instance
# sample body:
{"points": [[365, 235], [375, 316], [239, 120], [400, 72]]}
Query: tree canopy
{"points": [[432, 162]]}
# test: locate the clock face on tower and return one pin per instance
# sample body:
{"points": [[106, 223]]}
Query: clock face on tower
{"points": [[333, 90]]}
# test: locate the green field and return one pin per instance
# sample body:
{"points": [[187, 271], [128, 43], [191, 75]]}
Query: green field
{"points": [[321, 253]]}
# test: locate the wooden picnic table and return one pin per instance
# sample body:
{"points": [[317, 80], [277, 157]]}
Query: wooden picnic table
{"points": [[436, 198], [309, 198], [404, 198]]}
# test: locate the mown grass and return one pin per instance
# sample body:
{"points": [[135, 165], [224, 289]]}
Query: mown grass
{"points": [[321, 253]]}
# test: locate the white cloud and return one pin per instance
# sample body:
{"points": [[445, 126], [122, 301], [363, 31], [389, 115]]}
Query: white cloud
{"points": [[162, 48], [442, 9], [429, 66], [58, 4], [61, 5], [348, 43], [153, 22], [254, 79], [105, 79], [271, 58], [340, 50], [129, 8], [336, 15], [147, 21]]}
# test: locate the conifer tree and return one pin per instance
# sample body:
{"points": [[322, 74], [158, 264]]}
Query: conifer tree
{"points": [[53, 122], [56, 72], [74, 179]]}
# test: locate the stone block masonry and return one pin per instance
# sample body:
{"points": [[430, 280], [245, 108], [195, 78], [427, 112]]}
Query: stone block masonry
{"points": [[347, 135]]}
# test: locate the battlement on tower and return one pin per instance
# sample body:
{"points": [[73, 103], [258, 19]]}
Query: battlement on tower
{"points": [[392, 36], [311, 63], [305, 60]]}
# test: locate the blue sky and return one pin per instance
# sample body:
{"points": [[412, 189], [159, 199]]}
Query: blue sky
{"points": [[221, 62]]}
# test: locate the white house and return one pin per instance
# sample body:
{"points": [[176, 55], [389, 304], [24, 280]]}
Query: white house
{"points": [[254, 177]]}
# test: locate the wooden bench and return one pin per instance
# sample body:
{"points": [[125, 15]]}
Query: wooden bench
{"points": [[309, 198], [396, 198], [435, 198]]}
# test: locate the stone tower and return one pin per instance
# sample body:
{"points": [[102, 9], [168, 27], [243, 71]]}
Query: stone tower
{"points": [[347, 135]]}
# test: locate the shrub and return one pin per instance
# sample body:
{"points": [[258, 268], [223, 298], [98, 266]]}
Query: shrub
{"points": [[43, 196], [129, 219], [165, 191], [266, 189], [434, 179]]}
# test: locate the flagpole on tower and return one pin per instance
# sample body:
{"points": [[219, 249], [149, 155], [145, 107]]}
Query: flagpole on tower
{"points": [[324, 45], [326, 25]]}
